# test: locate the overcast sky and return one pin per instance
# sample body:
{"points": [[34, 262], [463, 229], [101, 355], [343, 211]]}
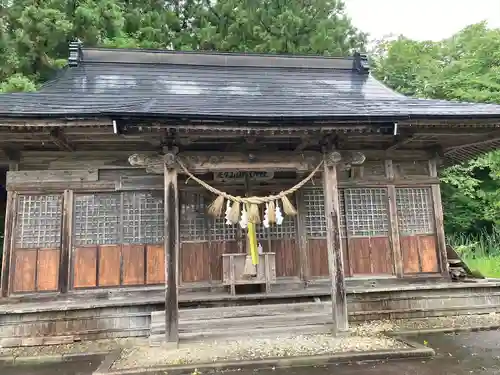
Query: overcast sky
{"points": [[421, 19]]}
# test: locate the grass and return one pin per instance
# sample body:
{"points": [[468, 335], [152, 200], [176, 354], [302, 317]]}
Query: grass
{"points": [[480, 252]]}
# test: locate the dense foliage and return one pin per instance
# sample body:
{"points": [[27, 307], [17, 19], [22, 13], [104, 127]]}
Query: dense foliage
{"points": [[465, 67], [34, 34], [34, 37]]}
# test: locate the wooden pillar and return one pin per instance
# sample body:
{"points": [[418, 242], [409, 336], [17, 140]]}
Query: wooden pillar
{"points": [[393, 222], [10, 214], [67, 229], [302, 236], [334, 245], [439, 221], [171, 205]]}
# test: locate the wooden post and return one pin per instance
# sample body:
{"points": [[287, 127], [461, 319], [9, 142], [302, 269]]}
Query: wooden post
{"points": [[10, 214], [171, 206], [302, 236], [439, 221], [67, 224], [397, 257], [334, 245]]}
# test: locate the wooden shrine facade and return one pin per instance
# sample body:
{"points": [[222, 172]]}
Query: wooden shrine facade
{"points": [[99, 228], [97, 200]]}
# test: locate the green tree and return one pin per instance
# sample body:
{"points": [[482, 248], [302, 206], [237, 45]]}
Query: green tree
{"points": [[34, 34], [303, 27], [465, 67]]}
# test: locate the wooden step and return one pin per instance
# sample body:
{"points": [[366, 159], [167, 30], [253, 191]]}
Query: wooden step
{"points": [[246, 311], [158, 338], [247, 323]]}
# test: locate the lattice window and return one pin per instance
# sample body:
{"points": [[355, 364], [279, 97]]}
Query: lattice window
{"points": [[287, 229], [143, 218], [315, 220], [97, 219], [366, 212], [39, 221], [415, 211], [192, 224], [343, 229], [222, 231]]}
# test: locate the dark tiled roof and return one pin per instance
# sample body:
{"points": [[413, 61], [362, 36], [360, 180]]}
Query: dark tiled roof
{"points": [[128, 82]]}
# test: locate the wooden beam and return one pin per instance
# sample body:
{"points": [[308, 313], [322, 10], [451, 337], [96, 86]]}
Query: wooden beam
{"points": [[203, 162], [14, 158], [60, 140], [171, 206], [22, 123], [10, 214], [401, 142], [489, 138], [302, 236], [439, 221], [334, 246], [397, 256], [67, 225], [308, 141]]}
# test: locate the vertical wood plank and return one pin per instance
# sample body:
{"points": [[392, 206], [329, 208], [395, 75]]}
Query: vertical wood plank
{"points": [[305, 273], [85, 267], [439, 221], [411, 260], [109, 265], [10, 213], [47, 269], [66, 230], [334, 246], [195, 262], [133, 264], [361, 261], [24, 270], [428, 254], [393, 222], [286, 253], [155, 273], [318, 258], [208, 225], [171, 206]]}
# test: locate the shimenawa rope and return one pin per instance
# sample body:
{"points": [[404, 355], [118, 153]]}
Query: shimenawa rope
{"points": [[250, 203]]}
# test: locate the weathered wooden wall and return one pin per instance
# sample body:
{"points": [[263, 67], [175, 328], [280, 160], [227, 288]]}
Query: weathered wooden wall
{"points": [[387, 221], [96, 237]]}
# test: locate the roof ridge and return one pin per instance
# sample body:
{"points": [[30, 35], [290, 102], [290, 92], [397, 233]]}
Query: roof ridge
{"points": [[357, 62]]}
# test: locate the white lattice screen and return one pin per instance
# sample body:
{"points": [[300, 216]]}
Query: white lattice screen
{"points": [[142, 218], [192, 224], [366, 212], [38, 223], [113, 218], [415, 211], [315, 220], [363, 212]]}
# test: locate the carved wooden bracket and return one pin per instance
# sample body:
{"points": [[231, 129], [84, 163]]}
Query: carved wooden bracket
{"points": [[344, 159], [153, 164], [202, 162]]}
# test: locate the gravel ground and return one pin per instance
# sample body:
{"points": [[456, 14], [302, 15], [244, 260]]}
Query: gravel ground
{"points": [[463, 321], [78, 347], [252, 348], [360, 338]]}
